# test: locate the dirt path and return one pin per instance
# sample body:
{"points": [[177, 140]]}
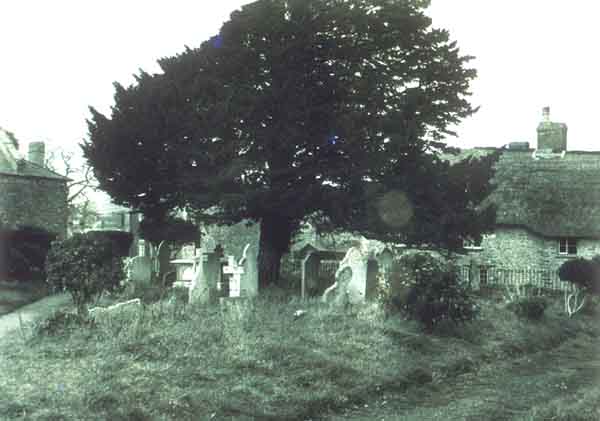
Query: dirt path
{"points": [[505, 391], [29, 312]]}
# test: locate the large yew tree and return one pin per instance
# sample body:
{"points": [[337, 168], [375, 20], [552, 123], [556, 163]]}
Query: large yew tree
{"points": [[296, 108]]}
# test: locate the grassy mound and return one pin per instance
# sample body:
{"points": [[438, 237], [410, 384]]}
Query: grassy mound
{"points": [[253, 359]]}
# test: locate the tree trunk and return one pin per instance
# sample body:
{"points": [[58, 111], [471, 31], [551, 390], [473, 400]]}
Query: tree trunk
{"points": [[275, 236]]}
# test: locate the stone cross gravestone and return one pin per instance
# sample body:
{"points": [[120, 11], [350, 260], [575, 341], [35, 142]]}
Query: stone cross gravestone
{"points": [[235, 271]]}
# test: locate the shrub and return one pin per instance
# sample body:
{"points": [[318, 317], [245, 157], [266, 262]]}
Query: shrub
{"points": [[435, 293], [531, 308], [23, 252], [585, 275], [85, 266]]}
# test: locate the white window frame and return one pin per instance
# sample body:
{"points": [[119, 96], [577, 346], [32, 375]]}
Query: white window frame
{"points": [[566, 243]]}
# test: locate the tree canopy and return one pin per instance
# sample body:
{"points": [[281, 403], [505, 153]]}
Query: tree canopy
{"points": [[297, 108]]}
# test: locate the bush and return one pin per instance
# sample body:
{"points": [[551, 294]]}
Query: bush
{"points": [[435, 293], [23, 253], [531, 308], [85, 266]]}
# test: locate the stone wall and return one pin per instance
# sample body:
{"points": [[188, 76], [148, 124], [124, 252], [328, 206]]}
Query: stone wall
{"points": [[34, 201], [517, 248]]}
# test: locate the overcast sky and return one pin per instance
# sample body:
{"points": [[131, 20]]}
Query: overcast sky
{"points": [[58, 57]]}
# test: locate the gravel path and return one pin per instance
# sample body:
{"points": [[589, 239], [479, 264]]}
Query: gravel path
{"points": [[29, 312]]}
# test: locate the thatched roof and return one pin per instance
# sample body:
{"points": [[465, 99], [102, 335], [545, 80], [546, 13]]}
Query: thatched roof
{"points": [[554, 196]]}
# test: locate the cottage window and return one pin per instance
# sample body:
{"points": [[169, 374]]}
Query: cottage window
{"points": [[567, 246], [483, 276]]}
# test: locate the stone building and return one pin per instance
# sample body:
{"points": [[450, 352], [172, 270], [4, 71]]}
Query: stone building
{"points": [[30, 194], [548, 204]]}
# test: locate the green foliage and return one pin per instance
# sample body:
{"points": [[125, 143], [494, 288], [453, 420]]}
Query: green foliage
{"points": [[171, 229], [23, 252], [435, 293], [531, 308], [121, 240], [286, 112], [85, 266]]}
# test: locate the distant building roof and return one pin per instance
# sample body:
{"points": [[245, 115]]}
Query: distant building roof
{"points": [[12, 163], [555, 196]]}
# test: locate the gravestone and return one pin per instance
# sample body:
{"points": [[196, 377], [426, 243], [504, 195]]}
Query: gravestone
{"points": [[203, 289], [234, 272], [356, 261], [125, 306], [310, 272], [356, 276], [139, 269], [371, 281], [385, 259], [249, 279], [208, 243]]}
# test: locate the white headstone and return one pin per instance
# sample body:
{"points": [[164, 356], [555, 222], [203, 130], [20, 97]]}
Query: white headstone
{"points": [[249, 279], [354, 288]]}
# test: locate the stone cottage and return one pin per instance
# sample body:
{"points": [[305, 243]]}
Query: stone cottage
{"points": [[548, 204], [30, 194]]}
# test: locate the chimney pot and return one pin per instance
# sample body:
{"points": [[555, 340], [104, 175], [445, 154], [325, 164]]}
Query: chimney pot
{"points": [[36, 153], [546, 114], [551, 136]]}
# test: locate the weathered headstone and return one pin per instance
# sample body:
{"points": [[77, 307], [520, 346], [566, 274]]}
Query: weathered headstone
{"points": [[139, 269], [249, 279], [208, 243], [204, 283], [351, 278]]}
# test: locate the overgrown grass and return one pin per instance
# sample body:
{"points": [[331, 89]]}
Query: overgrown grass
{"points": [[251, 359]]}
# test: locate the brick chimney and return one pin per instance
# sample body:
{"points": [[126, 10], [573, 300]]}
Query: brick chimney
{"points": [[36, 154], [551, 137]]}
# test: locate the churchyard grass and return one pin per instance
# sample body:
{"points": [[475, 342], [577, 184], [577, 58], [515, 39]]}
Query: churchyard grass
{"points": [[257, 360]]}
